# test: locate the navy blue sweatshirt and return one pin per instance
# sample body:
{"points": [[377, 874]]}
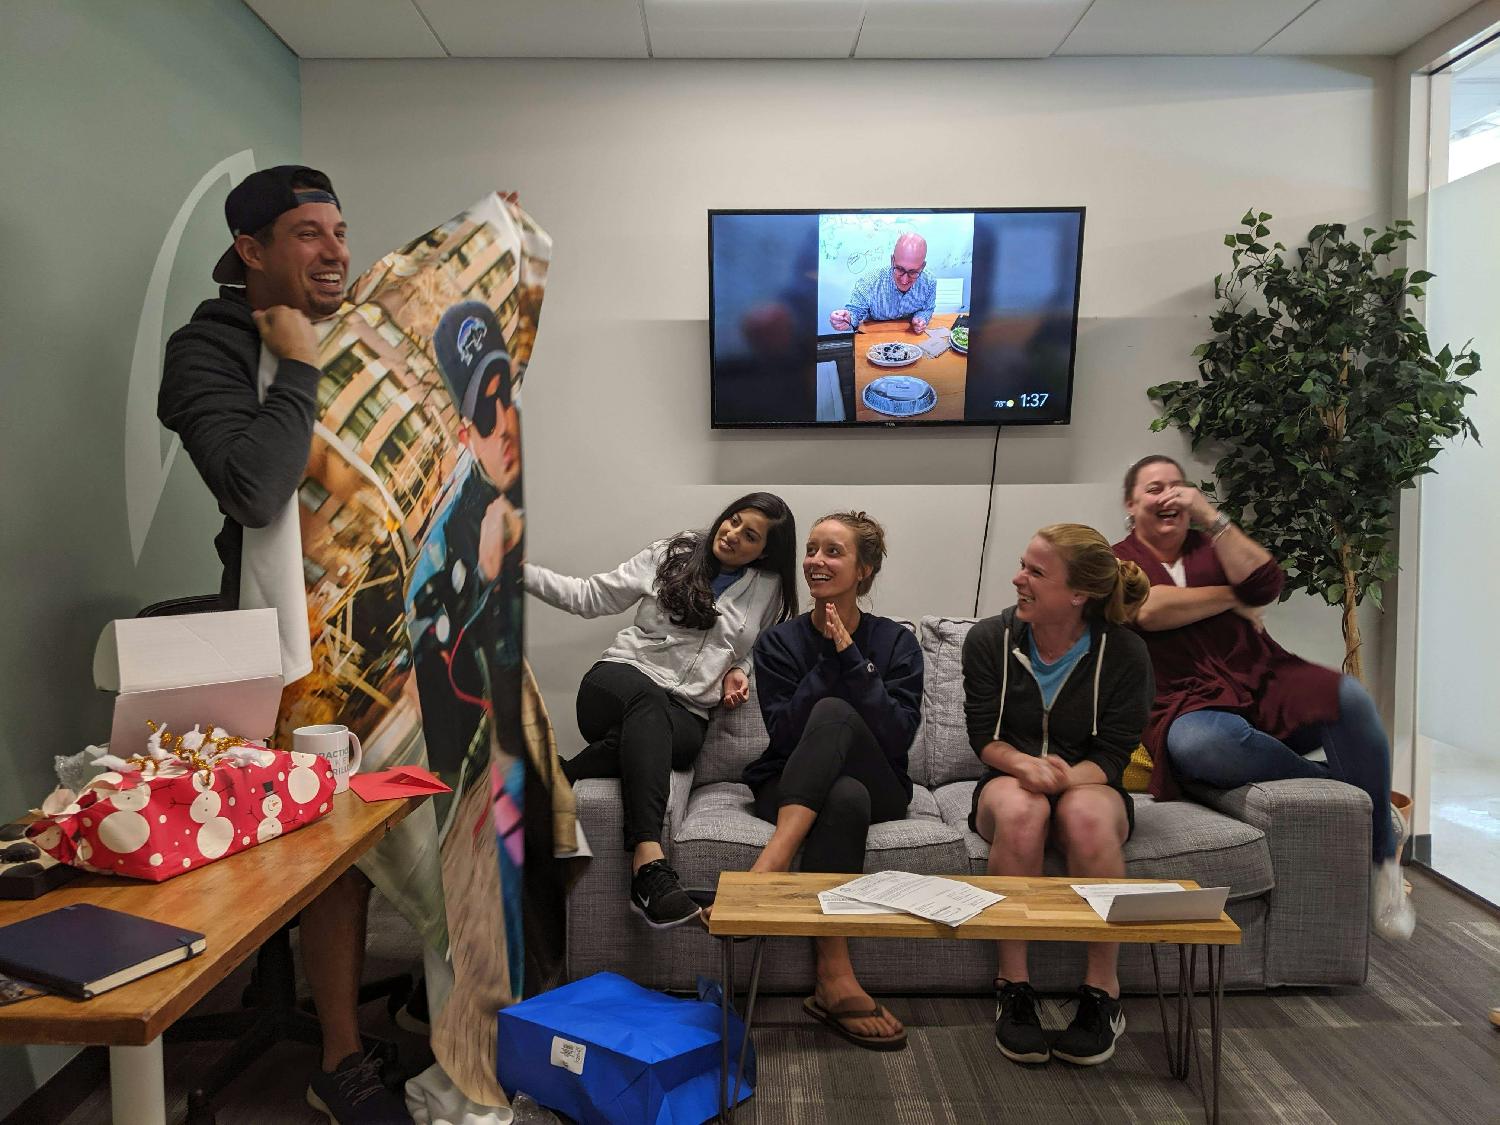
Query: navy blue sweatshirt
{"points": [[879, 675]]}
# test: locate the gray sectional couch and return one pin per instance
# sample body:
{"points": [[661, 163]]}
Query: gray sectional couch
{"points": [[1294, 853]]}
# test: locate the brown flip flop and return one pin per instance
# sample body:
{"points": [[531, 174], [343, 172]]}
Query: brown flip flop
{"points": [[834, 1021]]}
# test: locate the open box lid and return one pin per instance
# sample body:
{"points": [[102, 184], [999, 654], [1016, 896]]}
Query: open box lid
{"points": [[222, 669]]}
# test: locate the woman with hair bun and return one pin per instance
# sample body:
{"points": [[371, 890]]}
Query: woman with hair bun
{"points": [[841, 693], [1056, 693]]}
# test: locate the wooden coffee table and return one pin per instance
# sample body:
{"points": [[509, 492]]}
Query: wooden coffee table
{"points": [[758, 906], [237, 903]]}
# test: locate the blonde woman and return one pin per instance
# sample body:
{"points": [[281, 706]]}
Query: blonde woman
{"points": [[1056, 693]]}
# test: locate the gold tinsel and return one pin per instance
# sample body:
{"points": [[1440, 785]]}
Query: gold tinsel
{"points": [[200, 760]]}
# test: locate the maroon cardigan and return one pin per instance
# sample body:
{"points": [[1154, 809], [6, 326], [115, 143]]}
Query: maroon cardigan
{"points": [[1222, 662]]}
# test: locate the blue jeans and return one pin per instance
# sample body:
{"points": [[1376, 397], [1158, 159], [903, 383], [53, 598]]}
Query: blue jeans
{"points": [[1221, 749]]}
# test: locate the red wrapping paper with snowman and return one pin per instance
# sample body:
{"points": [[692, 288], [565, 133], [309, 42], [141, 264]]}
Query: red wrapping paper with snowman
{"points": [[162, 814]]}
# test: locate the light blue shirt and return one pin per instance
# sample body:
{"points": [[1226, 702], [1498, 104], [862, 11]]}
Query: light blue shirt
{"points": [[1050, 677], [875, 297]]}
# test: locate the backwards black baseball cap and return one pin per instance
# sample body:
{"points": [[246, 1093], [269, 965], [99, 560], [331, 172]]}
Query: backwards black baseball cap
{"points": [[257, 201], [469, 349]]}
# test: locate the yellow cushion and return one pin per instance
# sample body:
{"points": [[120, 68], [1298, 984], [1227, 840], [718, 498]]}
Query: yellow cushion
{"points": [[1137, 774]]}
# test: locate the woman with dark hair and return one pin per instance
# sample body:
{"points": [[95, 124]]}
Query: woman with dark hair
{"points": [[841, 693], [702, 598], [1232, 706], [1056, 692]]}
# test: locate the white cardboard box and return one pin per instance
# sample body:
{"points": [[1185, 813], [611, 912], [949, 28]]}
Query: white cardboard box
{"points": [[205, 669]]}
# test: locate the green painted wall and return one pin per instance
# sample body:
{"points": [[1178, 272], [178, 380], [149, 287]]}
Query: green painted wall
{"points": [[110, 114]]}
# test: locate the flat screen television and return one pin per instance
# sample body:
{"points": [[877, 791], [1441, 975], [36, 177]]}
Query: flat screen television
{"points": [[916, 317]]}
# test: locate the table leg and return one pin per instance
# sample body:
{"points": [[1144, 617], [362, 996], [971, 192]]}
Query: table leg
{"points": [[136, 1092], [1161, 1005], [739, 1067], [1216, 1019]]}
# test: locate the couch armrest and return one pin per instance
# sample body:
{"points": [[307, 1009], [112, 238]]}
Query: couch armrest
{"points": [[1318, 832]]}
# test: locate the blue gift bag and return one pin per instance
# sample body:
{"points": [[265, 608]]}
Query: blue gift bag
{"points": [[606, 1050]]}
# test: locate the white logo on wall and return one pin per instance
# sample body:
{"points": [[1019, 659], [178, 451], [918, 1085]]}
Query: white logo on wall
{"points": [[145, 468]]}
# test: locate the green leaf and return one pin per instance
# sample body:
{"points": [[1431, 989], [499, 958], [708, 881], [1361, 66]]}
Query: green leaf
{"points": [[1321, 398]]}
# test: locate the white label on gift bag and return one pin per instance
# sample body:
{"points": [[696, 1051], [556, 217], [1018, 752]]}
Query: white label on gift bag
{"points": [[567, 1054]]}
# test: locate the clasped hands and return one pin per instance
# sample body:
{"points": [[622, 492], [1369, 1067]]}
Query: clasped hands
{"points": [[825, 616], [1048, 776]]}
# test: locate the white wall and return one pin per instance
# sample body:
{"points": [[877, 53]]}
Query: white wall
{"points": [[1460, 614], [621, 160]]}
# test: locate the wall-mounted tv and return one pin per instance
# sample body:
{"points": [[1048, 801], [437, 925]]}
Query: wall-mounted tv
{"points": [[922, 316]]}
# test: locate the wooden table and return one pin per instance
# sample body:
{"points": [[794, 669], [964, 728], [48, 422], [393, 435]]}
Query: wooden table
{"points": [[758, 906], [946, 373], [237, 903]]}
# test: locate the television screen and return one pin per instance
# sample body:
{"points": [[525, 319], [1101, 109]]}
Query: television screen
{"points": [[915, 317]]}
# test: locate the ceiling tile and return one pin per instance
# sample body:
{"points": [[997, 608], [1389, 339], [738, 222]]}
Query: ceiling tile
{"points": [[1362, 27], [753, 29], [966, 29], [554, 29], [349, 29], [1179, 27]]}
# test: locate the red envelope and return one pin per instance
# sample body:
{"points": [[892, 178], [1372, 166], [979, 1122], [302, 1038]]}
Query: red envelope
{"points": [[402, 781]]}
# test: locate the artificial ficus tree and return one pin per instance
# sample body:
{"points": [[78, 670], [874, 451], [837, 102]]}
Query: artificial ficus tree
{"points": [[1322, 398]]}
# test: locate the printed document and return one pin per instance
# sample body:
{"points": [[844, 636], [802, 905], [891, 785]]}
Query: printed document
{"points": [[927, 896]]}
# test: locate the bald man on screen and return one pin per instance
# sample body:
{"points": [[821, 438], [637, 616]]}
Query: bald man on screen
{"points": [[902, 290]]}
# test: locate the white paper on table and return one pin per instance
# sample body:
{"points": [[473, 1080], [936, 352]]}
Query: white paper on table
{"points": [[1100, 895], [1169, 901], [837, 904], [927, 896]]}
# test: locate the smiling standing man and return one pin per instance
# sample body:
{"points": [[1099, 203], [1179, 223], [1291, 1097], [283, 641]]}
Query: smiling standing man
{"points": [[287, 267]]}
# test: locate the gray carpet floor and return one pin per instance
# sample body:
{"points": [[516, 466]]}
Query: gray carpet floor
{"points": [[1414, 1045]]}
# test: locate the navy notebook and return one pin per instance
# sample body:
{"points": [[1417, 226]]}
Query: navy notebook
{"points": [[82, 950]]}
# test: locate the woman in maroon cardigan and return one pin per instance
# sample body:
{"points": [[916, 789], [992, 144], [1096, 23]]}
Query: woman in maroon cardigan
{"points": [[1232, 706]]}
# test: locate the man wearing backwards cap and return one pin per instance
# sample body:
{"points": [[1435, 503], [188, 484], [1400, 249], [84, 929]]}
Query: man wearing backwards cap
{"points": [[287, 266], [464, 624]]}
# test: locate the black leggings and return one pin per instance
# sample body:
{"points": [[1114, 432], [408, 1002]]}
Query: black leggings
{"points": [[839, 771], [638, 733]]}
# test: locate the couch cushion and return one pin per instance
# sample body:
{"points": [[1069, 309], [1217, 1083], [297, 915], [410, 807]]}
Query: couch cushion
{"points": [[734, 740], [1172, 840], [947, 756], [721, 833]]}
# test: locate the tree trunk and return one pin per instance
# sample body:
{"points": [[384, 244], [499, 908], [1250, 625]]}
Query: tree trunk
{"points": [[1353, 665]]}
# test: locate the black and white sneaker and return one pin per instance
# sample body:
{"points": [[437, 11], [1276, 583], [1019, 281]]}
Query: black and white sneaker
{"points": [[1018, 1029], [1090, 1039], [657, 896]]}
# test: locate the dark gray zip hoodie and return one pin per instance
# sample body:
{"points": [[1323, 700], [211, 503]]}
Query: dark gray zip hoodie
{"points": [[251, 454], [1097, 715]]}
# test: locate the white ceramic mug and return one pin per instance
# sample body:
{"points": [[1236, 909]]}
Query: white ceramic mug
{"points": [[331, 741]]}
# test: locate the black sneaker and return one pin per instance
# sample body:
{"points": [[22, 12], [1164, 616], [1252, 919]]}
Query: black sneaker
{"points": [[1090, 1039], [1018, 1030], [657, 896], [353, 1095]]}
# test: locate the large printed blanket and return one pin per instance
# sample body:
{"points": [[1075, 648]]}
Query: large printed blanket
{"points": [[413, 536]]}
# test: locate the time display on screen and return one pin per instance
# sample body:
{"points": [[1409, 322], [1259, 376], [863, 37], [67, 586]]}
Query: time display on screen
{"points": [[1024, 401]]}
